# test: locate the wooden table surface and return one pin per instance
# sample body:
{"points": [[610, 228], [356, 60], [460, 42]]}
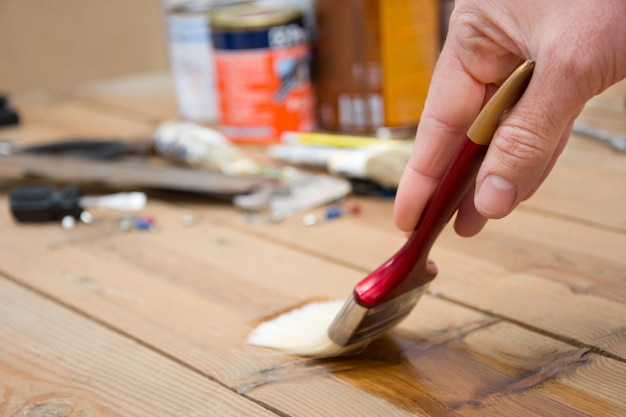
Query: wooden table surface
{"points": [[528, 318]]}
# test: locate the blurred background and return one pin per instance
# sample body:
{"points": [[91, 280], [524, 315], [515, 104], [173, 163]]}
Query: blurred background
{"points": [[370, 60], [65, 42]]}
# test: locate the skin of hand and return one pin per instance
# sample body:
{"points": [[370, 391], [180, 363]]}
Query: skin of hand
{"points": [[579, 47]]}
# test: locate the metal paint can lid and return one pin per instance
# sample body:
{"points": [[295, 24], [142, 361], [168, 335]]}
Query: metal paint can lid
{"points": [[253, 16]]}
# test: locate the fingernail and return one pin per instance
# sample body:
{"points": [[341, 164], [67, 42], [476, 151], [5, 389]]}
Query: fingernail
{"points": [[495, 196]]}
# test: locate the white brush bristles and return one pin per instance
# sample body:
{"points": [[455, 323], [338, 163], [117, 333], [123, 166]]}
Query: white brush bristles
{"points": [[302, 331]]}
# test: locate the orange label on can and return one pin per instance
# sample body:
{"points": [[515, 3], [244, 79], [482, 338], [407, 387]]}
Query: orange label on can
{"points": [[264, 92]]}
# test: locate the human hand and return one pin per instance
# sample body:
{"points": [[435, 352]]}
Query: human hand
{"points": [[580, 50]]}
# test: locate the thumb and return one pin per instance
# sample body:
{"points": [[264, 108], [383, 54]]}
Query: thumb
{"points": [[526, 143]]}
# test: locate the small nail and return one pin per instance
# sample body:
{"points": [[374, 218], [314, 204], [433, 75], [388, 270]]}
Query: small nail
{"points": [[496, 196]]}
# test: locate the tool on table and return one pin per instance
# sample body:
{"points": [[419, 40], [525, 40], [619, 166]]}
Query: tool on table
{"points": [[8, 116], [387, 295], [225, 170], [336, 140], [382, 162], [203, 147], [103, 162], [46, 203], [302, 191], [88, 148]]}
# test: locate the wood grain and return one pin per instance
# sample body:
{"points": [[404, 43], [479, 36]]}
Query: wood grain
{"points": [[587, 185], [125, 281], [470, 374], [54, 362]]}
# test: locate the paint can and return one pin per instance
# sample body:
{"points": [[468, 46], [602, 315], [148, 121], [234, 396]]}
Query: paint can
{"points": [[191, 57], [374, 61], [262, 58]]}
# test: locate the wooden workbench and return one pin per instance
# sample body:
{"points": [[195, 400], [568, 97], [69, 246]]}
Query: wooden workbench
{"points": [[528, 318]]}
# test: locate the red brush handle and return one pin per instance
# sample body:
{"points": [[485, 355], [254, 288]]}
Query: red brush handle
{"points": [[409, 267]]}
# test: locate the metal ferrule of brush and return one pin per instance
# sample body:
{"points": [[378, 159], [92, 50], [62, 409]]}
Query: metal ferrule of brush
{"points": [[358, 323]]}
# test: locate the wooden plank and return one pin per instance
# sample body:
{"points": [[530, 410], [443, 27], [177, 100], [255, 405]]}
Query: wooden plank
{"points": [[142, 96], [54, 362], [56, 117], [588, 184], [218, 281], [564, 280], [526, 240], [589, 181], [494, 370], [415, 353], [196, 293], [75, 117], [580, 257]]}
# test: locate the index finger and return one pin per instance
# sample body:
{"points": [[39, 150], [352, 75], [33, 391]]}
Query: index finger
{"points": [[454, 100]]}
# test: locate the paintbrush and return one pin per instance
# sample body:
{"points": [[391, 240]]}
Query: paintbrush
{"points": [[381, 162], [387, 295]]}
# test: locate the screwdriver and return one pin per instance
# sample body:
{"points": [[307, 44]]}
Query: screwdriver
{"points": [[47, 203]]}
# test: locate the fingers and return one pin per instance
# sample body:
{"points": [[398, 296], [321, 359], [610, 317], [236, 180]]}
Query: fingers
{"points": [[522, 153], [454, 100], [526, 144], [443, 123], [485, 43], [469, 221]]}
